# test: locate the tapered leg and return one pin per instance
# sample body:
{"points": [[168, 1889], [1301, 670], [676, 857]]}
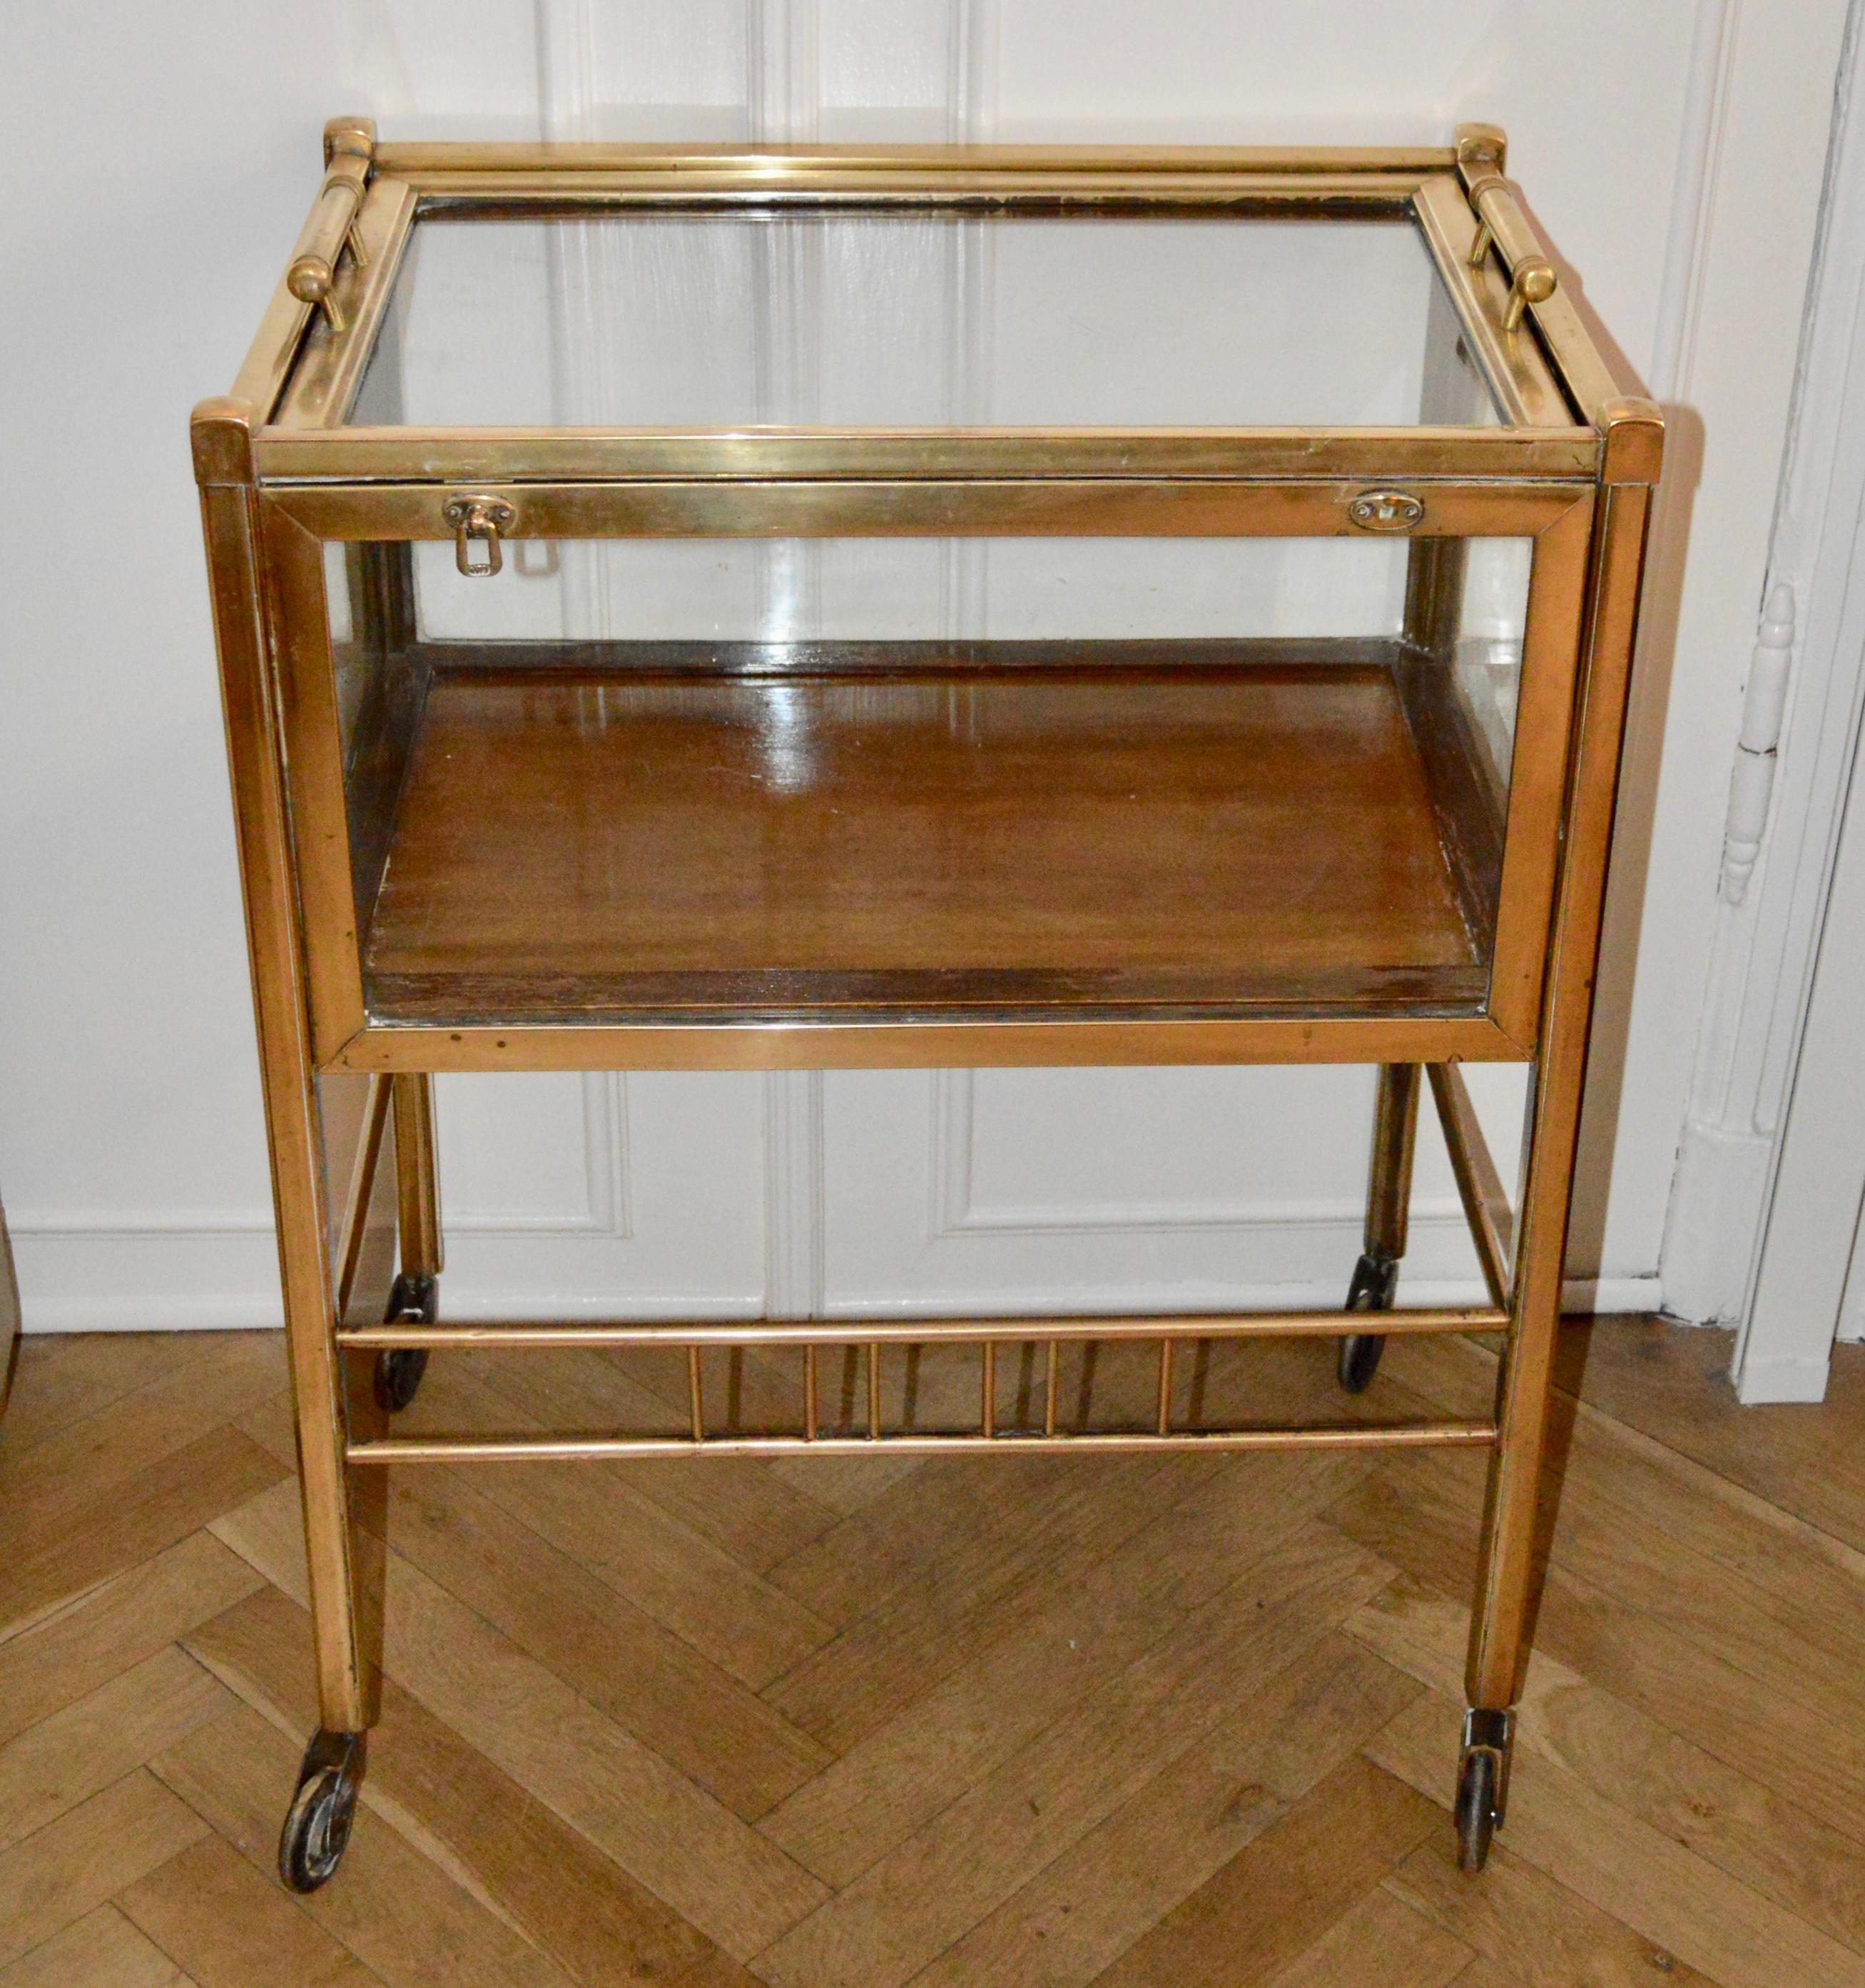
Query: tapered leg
{"points": [[1506, 1575], [1388, 1194], [416, 1296], [317, 1827], [416, 1175]]}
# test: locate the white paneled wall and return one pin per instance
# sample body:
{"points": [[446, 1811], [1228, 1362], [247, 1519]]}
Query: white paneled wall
{"points": [[165, 157]]}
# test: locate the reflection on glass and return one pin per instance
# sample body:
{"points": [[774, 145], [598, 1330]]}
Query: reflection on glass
{"points": [[919, 589], [919, 321]]}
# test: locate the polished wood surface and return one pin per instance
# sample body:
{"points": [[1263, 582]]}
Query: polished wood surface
{"points": [[1142, 1721], [1082, 838]]}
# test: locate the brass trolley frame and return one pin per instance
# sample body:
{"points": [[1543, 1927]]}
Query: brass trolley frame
{"points": [[1575, 467]]}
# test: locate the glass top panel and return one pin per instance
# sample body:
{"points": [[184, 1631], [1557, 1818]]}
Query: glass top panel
{"points": [[919, 320]]}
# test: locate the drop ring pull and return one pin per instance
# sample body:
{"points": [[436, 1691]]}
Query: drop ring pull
{"points": [[481, 519]]}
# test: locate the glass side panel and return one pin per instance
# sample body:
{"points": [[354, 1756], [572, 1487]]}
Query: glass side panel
{"points": [[919, 321], [624, 778]]}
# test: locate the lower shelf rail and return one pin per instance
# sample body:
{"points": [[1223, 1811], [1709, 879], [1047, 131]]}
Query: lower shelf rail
{"points": [[862, 1426], [550, 1448]]}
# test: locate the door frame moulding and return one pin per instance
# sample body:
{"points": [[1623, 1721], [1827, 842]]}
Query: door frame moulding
{"points": [[1768, 922]]}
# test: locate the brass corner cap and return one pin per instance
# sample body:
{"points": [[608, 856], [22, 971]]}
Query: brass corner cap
{"points": [[1633, 428], [1482, 148], [220, 429], [352, 136]]}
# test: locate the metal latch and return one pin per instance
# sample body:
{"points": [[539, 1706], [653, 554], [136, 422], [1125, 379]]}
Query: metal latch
{"points": [[483, 518], [1386, 511]]}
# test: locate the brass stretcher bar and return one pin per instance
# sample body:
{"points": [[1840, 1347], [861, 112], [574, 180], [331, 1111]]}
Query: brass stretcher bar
{"points": [[1485, 1209]]}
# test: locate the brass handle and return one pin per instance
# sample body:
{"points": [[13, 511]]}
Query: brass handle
{"points": [[482, 518], [312, 276], [1500, 225]]}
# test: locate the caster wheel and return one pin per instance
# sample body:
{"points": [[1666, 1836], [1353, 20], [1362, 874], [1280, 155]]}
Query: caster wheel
{"points": [[316, 1829], [1375, 1280], [398, 1372], [1359, 1360], [1476, 1808], [415, 1300]]}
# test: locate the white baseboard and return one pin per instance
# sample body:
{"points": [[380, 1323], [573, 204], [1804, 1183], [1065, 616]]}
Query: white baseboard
{"points": [[208, 1274], [1715, 1213], [199, 1275], [1597, 1294], [1762, 1381], [1616, 1294]]}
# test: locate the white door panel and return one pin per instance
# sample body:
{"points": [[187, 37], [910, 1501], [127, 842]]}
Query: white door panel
{"points": [[637, 1196], [1026, 1190]]}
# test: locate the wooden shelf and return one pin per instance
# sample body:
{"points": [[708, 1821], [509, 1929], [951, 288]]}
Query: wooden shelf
{"points": [[582, 847]]}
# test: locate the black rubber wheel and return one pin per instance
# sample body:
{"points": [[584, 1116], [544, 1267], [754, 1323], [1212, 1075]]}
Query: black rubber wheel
{"points": [[316, 1829], [1359, 1360], [415, 1300], [1476, 1808], [1375, 1280], [398, 1372]]}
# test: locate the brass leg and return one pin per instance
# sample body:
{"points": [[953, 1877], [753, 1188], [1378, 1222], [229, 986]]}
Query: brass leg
{"points": [[416, 1175], [417, 1293], [344, 1686], [317, 1827], [1388, 1195], [1506, 1581]]}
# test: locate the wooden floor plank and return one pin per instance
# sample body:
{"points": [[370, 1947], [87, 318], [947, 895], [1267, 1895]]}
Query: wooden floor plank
{"points": [[1677, 1660], [1381, 1942], [95, 1741], [1067, 1722], [1044, 1659], [100, 1950], [652, 1683], [1536, 1932], [397, 1912], [501, 1842], [74, 1864], [246, 1368], [684, 1844], [1270, 1904], [63, 1379], [223, 1923], [1623, 1479], [907, 1909], [994, 1553], [1767, 1839], [1674, 1386], [1078, 1914], [1676, 1899], [47, 1486], [115, 1527], [845, 1483], [736, 1503], [951, 1505], [117, 1624], [745, 1624]]}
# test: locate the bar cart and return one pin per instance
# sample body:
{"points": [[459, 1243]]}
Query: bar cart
{"points": [[1192, 627]]}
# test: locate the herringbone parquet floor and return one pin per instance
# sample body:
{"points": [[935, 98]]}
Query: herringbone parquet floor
{"points": [[1142, 1721]]}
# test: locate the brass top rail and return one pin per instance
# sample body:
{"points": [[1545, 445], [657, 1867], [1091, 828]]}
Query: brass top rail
{"points": [[419, 159]]}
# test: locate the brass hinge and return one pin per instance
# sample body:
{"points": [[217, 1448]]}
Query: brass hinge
{"points": [[1751, 781]]}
